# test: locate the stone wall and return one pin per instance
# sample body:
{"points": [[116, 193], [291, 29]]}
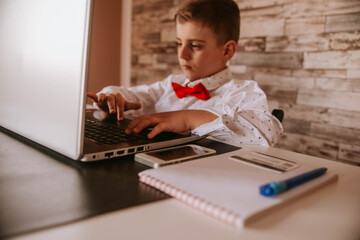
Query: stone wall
{"points": [[304, 54]]}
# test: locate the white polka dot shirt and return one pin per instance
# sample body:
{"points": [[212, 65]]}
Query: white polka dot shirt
{"points": [[241, 107]]}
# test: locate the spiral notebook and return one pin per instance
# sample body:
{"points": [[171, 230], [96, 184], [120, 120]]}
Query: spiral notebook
{"points": [[227, 188]]}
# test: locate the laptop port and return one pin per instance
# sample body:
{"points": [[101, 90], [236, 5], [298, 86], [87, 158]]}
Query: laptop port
{"points": [[131, 150], [109, 154], [121, 152], [140, 149]]}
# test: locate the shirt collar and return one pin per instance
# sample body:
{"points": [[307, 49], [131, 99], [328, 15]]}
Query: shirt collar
{"points": [[214, 81]]}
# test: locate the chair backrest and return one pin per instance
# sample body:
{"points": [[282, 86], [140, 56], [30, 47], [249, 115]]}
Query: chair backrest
{"points": [[278, 113]]}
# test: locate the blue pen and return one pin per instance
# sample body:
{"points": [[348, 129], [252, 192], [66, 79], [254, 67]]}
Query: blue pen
{"points": [[275, 188]]}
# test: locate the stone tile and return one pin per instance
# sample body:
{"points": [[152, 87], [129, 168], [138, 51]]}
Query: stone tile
{"points": [[280, 60], [169, 14], [338, 7], [167, 58], [340, 134], [276, 80], [275, 11], [152, 37], [154, 5], [340, 23], [280, 94], [296, 126], [340, 117], [159, 48], [350, 152], [321, 8], [273, 104], [251, 45], [332, 73], [353, 73], [323, 115], [147, 59], [332, 99], [345, 40], [134, 59], [269, 70], [313, 146], [303, 112], [259, 27], [168, 34], [332, 59], [311, 25], [338, 84], [252, 4], [298, 43], [148, 75]]}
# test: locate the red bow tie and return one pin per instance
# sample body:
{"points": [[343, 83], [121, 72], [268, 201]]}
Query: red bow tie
{"points": [[199, 91]]}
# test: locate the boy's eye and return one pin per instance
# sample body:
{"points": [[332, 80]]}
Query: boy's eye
{"points": [[195, 46], [190, 45]]}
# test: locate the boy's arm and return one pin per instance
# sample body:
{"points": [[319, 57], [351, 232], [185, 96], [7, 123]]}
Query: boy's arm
{"points": [[245, 127], [118, 99], [243, 116], [183, 122]]}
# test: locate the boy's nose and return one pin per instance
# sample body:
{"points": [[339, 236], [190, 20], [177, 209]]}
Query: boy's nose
{"points": [[184, 53]]}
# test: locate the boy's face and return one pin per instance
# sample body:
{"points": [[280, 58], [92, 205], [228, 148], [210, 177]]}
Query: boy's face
{"points": [[199, 54]]}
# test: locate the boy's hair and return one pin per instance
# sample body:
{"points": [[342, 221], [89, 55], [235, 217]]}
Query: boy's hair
{"points": [[221, 16]]}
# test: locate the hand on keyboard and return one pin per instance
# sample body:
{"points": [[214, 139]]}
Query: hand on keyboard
{"points": [[113, 103]]}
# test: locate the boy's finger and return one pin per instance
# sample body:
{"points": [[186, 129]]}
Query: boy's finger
{"points": [[156, 130], [138, 124], [93, 96], [120, 108], [132, 124], [132, 105], [111, 104], [101, 97]]}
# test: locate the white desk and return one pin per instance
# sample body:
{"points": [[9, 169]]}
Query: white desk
{"points": [[332, 212]]}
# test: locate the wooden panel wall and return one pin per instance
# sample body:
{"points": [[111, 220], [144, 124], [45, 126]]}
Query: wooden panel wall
{"points": [[304, 54], [105, 45]]}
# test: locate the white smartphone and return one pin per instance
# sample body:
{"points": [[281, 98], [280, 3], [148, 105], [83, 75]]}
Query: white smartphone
{"points": [[173, 155]]}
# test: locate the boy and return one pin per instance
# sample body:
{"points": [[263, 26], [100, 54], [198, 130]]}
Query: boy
{"points": [[205, 100]]}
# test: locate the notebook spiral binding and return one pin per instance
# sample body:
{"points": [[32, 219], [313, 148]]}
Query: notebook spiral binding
{"points": [[195, 202]]}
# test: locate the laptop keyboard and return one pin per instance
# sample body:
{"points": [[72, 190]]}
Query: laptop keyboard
{"points": [[109, 134]]}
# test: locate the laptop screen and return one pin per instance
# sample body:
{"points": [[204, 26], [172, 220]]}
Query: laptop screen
{"points": [[43, 68]]}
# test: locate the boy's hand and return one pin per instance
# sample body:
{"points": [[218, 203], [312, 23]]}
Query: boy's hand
{"points": [[113, 103], [181, 122]]}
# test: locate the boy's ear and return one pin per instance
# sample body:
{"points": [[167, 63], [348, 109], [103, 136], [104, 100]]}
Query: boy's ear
{"points": [[229, 49]]}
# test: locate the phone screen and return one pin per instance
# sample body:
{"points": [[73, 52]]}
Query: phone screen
{"points": [[176, 153]]}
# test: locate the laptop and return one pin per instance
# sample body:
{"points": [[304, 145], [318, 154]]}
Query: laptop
{"points": [[44, 55]]}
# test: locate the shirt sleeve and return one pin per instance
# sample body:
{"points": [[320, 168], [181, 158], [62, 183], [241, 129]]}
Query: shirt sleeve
{"points": [[147, 95], [243, 118]]}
